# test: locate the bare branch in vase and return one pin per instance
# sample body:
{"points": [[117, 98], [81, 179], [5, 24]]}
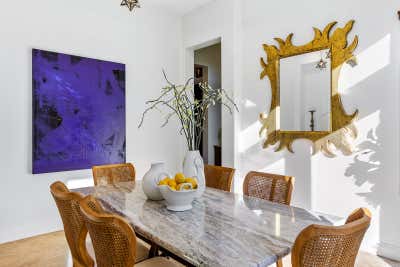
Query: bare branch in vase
{"points": [[191, 113]]}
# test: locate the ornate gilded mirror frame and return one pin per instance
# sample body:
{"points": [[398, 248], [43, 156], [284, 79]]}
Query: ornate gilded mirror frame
{"points": [[343, 132]]}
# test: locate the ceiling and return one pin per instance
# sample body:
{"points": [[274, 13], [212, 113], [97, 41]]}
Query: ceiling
{"points": [[177, 6]]}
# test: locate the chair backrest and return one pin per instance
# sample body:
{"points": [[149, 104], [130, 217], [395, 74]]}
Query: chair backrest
{"points": [[219, 177], [114, 240], [272, 187], [74, 225], [114, 173], [331, 246]]}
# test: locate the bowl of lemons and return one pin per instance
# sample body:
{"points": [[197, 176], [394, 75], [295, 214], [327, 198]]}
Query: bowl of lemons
{"points": [[178, 192]]}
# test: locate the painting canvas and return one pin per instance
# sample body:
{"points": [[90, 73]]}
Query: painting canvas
{"points": [[78, 112]]}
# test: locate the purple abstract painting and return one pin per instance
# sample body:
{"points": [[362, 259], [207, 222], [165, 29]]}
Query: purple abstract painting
{"points": [[78, 112]]}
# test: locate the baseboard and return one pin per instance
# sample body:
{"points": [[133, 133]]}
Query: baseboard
{"points": [[389, 251]]}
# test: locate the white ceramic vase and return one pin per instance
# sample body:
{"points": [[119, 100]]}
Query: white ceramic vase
{"points": [[193, 166], [152, 178]]}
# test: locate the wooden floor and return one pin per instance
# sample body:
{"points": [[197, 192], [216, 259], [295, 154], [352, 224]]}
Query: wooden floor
{"points": [[51, 250]]}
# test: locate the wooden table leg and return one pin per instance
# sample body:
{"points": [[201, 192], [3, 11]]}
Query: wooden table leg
{"points": [[153, 250], [279, 263]]}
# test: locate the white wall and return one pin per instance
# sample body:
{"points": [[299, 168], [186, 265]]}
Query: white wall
{"points": [[368, 178], [146, 40], [211, 57], [201, 27]]}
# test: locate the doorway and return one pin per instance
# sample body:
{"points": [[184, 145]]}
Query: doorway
{"points": [[207, 69]]}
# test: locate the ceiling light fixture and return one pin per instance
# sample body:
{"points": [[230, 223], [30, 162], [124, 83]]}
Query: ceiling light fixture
{"points": [[130, 4], [322, 63]]}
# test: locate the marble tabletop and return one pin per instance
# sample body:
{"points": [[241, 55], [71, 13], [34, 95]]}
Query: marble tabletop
{"points": [[222, 229]]}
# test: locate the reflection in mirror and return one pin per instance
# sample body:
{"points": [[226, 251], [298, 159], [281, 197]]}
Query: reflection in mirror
{"points": [[305, 92]]}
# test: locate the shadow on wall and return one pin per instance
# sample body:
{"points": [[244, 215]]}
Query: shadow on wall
{"points": [[366, 168], [376, 164], [367, 165], [374, 168], [371, 87]]}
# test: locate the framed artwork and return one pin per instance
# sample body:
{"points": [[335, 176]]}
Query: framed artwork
{"points": [[78, 112]]}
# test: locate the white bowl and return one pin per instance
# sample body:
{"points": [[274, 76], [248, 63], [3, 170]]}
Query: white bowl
{"points": [[178, 200]]}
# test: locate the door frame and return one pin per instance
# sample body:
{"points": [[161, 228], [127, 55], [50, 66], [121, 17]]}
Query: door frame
{"points": [[230, 82]]}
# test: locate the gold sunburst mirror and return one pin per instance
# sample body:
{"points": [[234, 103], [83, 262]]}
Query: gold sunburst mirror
{"points": [[305, 98]]}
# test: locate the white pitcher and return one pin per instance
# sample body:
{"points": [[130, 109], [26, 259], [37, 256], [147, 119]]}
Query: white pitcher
{"points": [[152, 178], [193, 166]]}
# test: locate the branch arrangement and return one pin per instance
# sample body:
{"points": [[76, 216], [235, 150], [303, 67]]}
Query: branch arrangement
{"points": [[192, 113]]}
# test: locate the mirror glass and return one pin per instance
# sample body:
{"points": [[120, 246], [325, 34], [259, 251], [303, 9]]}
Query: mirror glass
{"points": [[305, 92]]}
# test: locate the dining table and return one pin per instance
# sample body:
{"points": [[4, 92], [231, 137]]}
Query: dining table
{"points": [[222, 228]]}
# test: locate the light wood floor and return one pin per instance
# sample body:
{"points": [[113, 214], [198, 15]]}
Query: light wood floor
{"points": [[51, 250]]}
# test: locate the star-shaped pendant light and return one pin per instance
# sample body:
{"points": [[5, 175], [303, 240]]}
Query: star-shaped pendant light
{"points": [[131, 4], [322, 64]]}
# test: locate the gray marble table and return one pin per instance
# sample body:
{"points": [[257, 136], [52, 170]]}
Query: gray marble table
{"points": [[222, 229]]}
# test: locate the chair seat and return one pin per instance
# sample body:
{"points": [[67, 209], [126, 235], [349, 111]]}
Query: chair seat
{"points": [[142, 250], [286, 261], [158, 262]]}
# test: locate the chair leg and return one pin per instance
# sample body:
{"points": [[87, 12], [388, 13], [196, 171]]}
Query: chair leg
{"points": [[279, 263], [153, 251]]}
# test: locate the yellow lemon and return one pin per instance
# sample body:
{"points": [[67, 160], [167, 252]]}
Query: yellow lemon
{"points": [[179, 178], [173, 188], [164, 181], [172, 183], [193, 181], [182, 187]]}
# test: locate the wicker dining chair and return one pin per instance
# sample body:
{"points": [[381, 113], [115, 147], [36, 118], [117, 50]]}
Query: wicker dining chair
{"points": [[272, 187], [114, 240], [109, 174], [219, 177], [74, 226], [331, 246]]}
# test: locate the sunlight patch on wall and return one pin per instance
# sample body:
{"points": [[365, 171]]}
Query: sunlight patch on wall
{"points": [[249, 137], [368, 125], [78, 183], [249, 104], [366, 174], [276, 167], [371, 60]]}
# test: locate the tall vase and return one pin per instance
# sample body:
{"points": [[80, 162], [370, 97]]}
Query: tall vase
{"points": [[152, 178], [193, 166]]}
